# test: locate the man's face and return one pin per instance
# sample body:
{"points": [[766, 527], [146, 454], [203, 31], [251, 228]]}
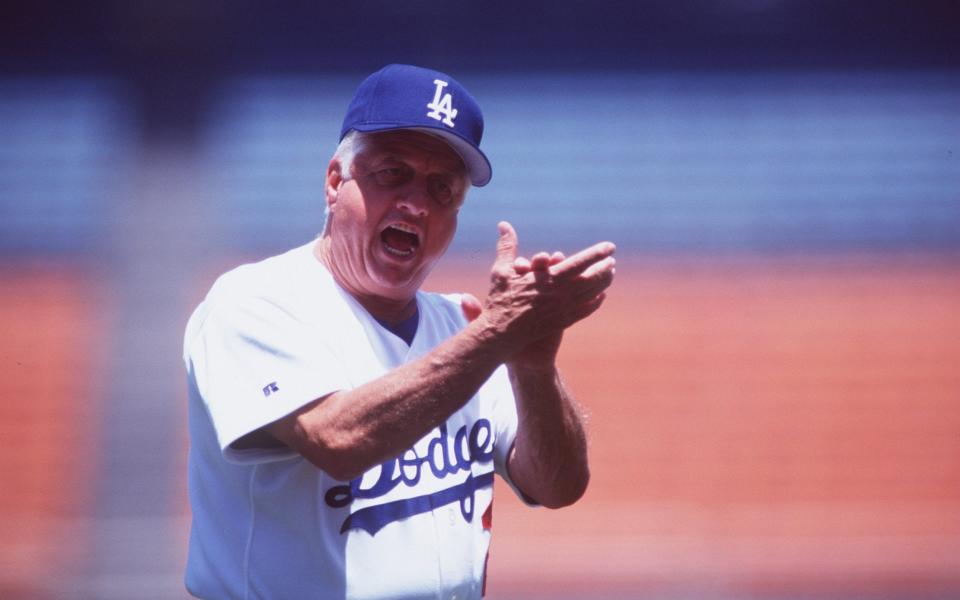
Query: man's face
{"points": [[396, 214]]}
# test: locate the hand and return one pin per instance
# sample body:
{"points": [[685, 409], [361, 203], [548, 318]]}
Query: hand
{"points": [[542, 353], [532, 301], [471, 306]]}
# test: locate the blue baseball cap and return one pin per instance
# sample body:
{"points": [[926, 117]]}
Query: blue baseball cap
{"points": [[408, 97]]}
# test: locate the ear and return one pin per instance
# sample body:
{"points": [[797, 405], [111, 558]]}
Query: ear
{"points": [[334, 181]]}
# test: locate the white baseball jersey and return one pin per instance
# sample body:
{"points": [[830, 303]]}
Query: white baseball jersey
{"points": [[271, 337]]}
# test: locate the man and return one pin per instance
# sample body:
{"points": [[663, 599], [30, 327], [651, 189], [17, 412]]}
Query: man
{"points": [[345, 426]]}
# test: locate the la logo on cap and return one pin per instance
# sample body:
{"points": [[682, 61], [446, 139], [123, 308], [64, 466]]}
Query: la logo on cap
{"points": [[399, 97], [442, 108]]}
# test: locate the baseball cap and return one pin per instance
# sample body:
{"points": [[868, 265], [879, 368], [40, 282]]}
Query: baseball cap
{"points": [[409, 97]]}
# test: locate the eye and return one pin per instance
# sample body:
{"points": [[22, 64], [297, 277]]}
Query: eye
{"points": [[391, 176], [441, 190]]}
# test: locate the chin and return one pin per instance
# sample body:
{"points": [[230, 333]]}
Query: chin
{"points": [[403, 272], [399, 286]]}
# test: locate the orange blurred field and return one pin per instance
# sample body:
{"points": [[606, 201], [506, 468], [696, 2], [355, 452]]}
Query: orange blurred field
{"points": [[758, 427], [761, 426], [51, 352]]}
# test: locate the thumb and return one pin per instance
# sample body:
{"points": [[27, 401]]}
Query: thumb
{"points": [[471, 306], [507, 243]]}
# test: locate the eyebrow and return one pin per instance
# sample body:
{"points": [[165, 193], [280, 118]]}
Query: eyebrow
{"points": [[452, 167]]}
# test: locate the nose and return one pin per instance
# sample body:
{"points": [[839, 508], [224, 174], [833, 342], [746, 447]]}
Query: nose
{"points": [[414, 199]]}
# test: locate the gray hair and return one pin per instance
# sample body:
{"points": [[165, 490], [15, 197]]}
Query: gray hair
{"points": [[350, 146]]}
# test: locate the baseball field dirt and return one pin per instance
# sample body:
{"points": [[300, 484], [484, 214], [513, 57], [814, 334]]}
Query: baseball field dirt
{"points": [[764, 425]]}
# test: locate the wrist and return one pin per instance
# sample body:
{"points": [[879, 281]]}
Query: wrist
{"points": [[530, 369], [487, 339]]}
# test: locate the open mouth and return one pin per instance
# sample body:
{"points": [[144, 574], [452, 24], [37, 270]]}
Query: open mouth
{"points": [[400, 239]]}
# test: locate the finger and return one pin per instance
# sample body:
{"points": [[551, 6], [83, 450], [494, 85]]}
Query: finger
{"points": [[470, 306], [507, 243], [596, 269], [540, 261], [593, 287], [557, 258], [585, 309], [575, 264], [521, 265]]}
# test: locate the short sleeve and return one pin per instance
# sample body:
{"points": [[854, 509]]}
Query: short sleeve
{"points": [[254, 363]]}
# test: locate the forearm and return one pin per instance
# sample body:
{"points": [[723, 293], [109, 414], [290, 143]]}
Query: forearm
{"points": [[351, 431], [549, 461]]}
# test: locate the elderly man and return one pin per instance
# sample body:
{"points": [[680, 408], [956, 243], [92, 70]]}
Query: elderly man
{"points": [[345, 426]]}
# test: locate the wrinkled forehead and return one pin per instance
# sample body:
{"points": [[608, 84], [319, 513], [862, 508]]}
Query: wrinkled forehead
{"points": [[415, 145]]}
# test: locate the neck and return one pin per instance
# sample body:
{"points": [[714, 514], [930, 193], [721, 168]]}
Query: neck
{"points": [[391, 310], [385, 309]]}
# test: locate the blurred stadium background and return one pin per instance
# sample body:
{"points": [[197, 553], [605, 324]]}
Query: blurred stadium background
{"points": [[774, 384]]}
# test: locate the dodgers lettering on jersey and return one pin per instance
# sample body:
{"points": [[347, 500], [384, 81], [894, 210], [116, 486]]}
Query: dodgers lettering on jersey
{"points": [[442, 108], [475, 445]]}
